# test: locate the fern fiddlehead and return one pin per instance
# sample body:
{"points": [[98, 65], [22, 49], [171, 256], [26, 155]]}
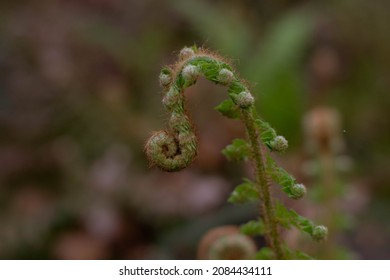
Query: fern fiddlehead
{"points": [[175, 148]]}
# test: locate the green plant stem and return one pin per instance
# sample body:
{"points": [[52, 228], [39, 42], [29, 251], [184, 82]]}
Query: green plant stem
{"points": [[262, 180]]}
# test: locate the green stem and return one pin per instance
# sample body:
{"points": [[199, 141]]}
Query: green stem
{"points": [[262, 180]]}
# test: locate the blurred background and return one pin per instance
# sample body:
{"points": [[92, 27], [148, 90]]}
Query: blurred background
{"points": [[79, 96]]}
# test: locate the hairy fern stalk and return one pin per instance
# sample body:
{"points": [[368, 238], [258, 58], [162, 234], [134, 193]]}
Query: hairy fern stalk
{"points": [[175, 148]]}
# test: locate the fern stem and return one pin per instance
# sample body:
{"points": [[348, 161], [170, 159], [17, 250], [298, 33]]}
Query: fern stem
{"points": [[262, 181]]}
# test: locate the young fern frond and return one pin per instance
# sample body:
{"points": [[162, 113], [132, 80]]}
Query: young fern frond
{"points": [[175, 148]]}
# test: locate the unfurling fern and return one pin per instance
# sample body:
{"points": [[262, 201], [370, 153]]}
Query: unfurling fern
{"points": [[175, 147]]}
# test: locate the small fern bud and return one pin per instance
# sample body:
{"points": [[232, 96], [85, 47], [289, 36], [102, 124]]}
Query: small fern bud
{"points": [[165, 79], [186, 53], [225, 76], [244, 100], [298, 191], [226, 243], [320, 233], [279, 144], [190, 73]]}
